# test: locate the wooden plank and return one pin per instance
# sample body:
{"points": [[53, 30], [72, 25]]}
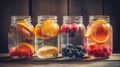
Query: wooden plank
{"points": [[7, 9], [114, 61], [49, 7], [111, 8], [78, 64], [78, 8]]}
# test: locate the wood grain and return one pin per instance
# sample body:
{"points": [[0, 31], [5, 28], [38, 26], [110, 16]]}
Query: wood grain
{"points": [[9, 8], [113, 61]]}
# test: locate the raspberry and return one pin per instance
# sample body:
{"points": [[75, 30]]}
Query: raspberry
{"points": [[12, 52], [75, 27], [105, 48], [92, 46], [90, 52], [64, 27]]}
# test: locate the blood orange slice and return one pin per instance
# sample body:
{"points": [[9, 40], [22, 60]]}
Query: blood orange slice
{"points": [[101, 31], [25, 47]]}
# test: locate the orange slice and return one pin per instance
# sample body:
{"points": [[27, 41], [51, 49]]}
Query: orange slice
{"points": [[50, 28], [38, 32], [25, 47], [101, 32], [25, 30]]}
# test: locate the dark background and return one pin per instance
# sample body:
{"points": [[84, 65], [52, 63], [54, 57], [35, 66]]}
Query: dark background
{"points": [[60, 8]]}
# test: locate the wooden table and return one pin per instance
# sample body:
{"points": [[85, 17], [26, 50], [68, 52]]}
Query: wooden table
{"points": [[113, 61]]}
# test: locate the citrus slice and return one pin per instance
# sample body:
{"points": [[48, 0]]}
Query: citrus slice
{"points": [[47, 51], [101, 31], [38, 32], [50, 28], [25, 47], [25, 30]]}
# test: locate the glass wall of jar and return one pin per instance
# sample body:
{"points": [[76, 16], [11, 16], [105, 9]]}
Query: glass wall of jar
{"points": [[21, 37], [72, 38], [99, 37], [46, 32]]}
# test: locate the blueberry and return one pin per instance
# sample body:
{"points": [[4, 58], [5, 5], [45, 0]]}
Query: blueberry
{"points": [[67, 50], [69, 46], [81, 54], [71, 33], [64, 54], [80, 48], [70, 54], [74, 51], [78, 54]]}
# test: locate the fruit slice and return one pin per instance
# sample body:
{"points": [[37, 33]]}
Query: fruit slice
{"points": [[47, 51], [25, 50], [101, 32], [50, 28], [25, 47], [39, 33], [25, 30]]}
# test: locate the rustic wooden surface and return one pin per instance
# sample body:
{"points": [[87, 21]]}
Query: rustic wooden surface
{"points": [[113, 61]]}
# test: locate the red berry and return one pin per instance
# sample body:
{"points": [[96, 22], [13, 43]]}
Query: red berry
{"points": [[108, 53], [103, 54], [92, 46], [75, 27], [12, 52], [91, 52], [105, 48], [110, 49], [65, 28]]}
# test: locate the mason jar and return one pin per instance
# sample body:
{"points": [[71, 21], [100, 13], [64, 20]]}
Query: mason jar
{"points": [[21, 37], [99, 37], [72, 38], [46, 34]]}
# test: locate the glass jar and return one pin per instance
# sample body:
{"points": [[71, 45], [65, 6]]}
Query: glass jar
{"points": [[21, 37], [46, 32], [72, 38], [99, 37]]}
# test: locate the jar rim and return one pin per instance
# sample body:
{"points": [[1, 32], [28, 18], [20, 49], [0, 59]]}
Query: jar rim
{"points": [[99, 16], [78, 19], [47, 16]]}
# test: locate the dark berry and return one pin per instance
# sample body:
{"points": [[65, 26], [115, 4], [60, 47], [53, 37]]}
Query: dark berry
{"points": [[70, 54], [74, 51], [80, 48], [69, 46], [71, 33], [64, 54]]}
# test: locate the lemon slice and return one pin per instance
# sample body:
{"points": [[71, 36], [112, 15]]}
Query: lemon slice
{"points": [[47, 51]]}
